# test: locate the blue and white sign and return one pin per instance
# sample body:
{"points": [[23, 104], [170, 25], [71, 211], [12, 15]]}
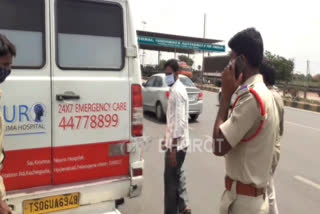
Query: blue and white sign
{"points": [[22, 119]]}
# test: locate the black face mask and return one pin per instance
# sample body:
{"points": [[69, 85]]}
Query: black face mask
{"points": [[4, 73]]}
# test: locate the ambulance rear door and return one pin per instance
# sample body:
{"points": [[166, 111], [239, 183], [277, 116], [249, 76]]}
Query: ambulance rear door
{"points": [[26, 100], [91, 91]]}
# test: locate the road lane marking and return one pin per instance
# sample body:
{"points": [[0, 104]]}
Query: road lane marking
{"points": [[302, 126], [303, 110], [306, 181]]}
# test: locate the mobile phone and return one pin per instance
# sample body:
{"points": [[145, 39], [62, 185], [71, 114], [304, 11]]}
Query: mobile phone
{"points": [[240, 66]]}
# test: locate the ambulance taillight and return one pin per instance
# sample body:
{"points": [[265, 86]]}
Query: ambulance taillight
{"points": [[137, 111]]}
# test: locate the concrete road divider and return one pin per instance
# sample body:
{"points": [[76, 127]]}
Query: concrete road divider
{"points": [[290, 103], [300, 105], [208, 88]]}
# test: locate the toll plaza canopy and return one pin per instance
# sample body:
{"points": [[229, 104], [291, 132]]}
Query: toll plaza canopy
{"points": [[180, 44]]}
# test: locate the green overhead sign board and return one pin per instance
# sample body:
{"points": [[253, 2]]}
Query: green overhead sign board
{"points": [[170, 43]]}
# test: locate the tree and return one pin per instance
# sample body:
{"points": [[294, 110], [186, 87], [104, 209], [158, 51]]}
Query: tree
{"points": [[283, 66], [309, 77], [149, 69], [299, 76], [186, 59]]}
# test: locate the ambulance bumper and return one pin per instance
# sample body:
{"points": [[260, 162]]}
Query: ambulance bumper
{"points": [[136, 149], [100, 208], [136, 181]]}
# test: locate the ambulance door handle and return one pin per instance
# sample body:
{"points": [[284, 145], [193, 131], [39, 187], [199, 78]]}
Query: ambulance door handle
{"points": [[67, 96]]}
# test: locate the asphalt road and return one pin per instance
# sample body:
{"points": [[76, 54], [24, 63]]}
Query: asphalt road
{"points": [[297, 177]]}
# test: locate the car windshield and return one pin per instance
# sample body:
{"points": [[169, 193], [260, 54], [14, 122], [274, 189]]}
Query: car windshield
{"points": [[186, 82]]}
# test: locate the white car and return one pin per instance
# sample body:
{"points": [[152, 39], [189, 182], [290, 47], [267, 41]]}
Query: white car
{"points": [[156, 94]]}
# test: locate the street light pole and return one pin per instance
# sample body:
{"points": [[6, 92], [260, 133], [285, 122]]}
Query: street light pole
{"points": [[306, 83], [204, 36], [144, 23]]}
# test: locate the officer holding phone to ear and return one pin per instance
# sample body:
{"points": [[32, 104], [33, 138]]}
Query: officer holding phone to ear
{"points": [[246, 138]]}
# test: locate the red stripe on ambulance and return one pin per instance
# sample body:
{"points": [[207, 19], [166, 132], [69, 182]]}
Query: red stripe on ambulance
{"points": [[33, 168], [27, 168], [87, 162]]}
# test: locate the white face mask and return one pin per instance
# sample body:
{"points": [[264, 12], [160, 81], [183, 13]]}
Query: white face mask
{"points": [[170, 80]]}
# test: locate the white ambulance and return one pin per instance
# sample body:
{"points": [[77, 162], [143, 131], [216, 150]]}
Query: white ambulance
{"points": [[72, 106]]}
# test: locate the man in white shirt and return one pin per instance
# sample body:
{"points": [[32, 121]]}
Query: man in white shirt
{"points": [[176, 143]]}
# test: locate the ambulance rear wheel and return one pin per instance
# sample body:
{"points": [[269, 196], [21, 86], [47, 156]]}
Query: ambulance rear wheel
{"points": [[194, 117]]}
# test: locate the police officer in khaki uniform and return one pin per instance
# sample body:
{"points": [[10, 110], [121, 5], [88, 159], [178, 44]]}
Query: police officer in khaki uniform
{"points": [[269, 77], [7, 52], [247, 137]]}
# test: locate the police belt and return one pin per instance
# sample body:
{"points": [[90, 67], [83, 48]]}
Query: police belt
{"points": [[244, 189]]}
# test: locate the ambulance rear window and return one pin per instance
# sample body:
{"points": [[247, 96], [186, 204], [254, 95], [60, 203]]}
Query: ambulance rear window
{"points": [[22, 22], [90, 35]]}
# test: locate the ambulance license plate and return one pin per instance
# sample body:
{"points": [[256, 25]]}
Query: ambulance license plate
{"points": [[52, 204]]}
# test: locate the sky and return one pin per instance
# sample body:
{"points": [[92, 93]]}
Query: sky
{"points": [[289, 28]]}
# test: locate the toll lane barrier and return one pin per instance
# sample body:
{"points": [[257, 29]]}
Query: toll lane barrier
{"points": [[300, 105]]}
